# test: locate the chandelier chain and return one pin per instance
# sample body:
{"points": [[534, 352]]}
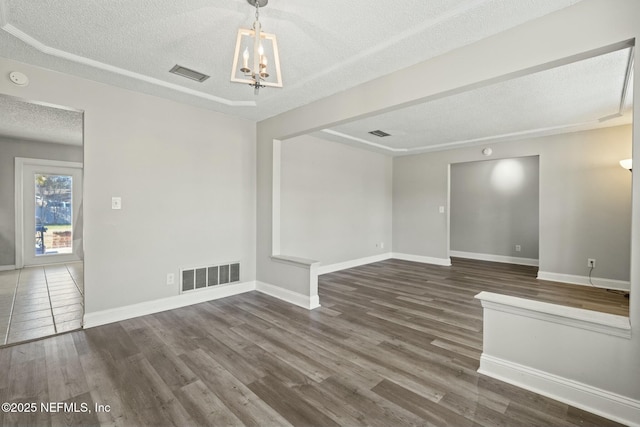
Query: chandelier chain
{"points": [[257, 11]]}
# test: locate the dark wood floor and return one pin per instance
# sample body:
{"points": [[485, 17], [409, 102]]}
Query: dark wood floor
{"points": [[395, 343]]}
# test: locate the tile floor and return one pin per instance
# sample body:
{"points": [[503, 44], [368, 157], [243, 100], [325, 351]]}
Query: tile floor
{"points": [[39, 301]]}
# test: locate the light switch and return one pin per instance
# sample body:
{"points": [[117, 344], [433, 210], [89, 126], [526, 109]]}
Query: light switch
{"points": [[116, 203], [441, 209]]}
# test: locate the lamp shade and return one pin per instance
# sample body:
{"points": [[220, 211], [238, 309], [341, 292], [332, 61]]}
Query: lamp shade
{"points": [[626, 163]]}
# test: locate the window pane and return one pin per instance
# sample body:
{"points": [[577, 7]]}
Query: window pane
{"points": [[54, 214]]}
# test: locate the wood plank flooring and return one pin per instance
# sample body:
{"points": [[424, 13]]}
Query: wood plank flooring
{"points": [[395, 343]]}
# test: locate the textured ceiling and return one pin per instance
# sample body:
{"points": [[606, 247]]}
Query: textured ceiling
{"points": [[578, 96], [325, 46], [45, 123]]}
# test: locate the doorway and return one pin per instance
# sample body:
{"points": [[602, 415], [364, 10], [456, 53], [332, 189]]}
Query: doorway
{"points": [[41, 256], [494, 210], [48, 208]]}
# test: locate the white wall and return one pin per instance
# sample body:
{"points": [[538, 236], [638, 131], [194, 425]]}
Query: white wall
{"points": [[585, 200], [335, 201], [186, 177]]}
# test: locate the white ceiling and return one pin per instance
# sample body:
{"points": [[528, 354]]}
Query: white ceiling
{"points": [[325, 46], [582, 95], [39, 122]]}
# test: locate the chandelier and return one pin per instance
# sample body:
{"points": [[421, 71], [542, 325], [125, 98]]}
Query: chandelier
{"points": [[256, 50]]}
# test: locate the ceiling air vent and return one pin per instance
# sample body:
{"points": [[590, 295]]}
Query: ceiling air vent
{"points": [[190, 74], [379, 133]]}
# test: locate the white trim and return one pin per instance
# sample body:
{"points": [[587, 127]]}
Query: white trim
{"points": [[7, 267], [292, 260], [20, 163], [363, 141], [49, 163], [330, 268], [103, 317], [18, 197], [598, 401], [446, 262], [276, 200], [304, 301], [530, 133], [609, 324], [495, 258], [598, 282], [491, 139]]}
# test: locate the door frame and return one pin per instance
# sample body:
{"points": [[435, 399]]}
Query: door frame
{"points": [[20, 164]]}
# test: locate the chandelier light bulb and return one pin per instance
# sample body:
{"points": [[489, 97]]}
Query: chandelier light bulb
{"points": [[245, 61]]}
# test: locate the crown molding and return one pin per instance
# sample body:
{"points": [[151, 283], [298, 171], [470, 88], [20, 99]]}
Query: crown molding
{"points": [[364, 141], [513, 136]]}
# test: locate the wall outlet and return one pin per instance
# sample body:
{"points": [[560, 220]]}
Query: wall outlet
{"points": [[116, 202], [591, 262], [380, 245], [518, 248], [171, 279]]}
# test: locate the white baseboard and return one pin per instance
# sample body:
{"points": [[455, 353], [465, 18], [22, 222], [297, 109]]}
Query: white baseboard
{"points": [[304, 301], [324, 269], [446, 262], [155, 306], [584, 280], [495, 258], [601, 402], [7, 267]]}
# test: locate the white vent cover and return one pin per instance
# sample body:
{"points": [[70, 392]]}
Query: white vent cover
{"points": [[203, 277]]}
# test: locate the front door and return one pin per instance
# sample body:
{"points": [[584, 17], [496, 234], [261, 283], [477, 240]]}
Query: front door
{"points": [[50, 198]]}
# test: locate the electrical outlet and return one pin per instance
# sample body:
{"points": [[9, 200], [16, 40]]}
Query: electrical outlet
{"points": [[591, 262], [171, 279], [518, 248], [116, 202], [381, 245]]}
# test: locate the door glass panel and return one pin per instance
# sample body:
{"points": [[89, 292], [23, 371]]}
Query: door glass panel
{"points": [[54, 214]]}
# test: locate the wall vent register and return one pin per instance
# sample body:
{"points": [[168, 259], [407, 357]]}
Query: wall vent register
{"points": [[203, 277]]}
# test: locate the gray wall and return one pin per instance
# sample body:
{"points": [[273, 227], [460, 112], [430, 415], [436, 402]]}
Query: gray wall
{"points": [[585, 200], [186, 177], [335, 201], [494, 206], [10, 148]]}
